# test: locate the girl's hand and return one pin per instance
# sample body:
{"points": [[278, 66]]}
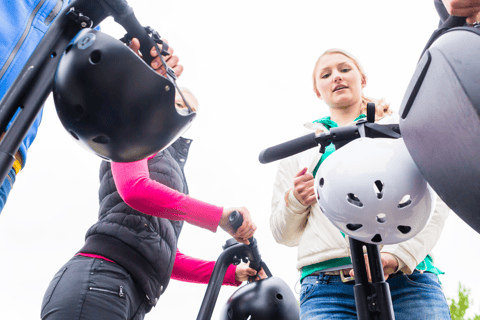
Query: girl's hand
{"points": [[171, 60], [389, 263], [243, 271], [464, 8], [303, 187], [245, 231]]}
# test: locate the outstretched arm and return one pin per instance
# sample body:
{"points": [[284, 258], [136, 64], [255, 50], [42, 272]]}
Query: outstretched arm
{"points": [[195, 270], [143, 194]]}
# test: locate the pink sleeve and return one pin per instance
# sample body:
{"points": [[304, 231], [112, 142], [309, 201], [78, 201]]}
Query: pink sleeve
{"points": [[194, 270], [143, 194]]}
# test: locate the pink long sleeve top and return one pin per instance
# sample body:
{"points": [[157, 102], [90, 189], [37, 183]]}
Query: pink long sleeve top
{"points": [[143, 194], [195, 270]]}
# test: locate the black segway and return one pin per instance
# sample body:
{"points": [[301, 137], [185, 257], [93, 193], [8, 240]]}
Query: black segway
{"points": [[266, 299]]}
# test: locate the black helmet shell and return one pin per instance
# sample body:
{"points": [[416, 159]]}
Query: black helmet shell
{"points": [[440, 120], [112, 102], [267, 299]]}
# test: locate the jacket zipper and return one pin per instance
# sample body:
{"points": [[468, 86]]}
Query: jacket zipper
{"points": [[54, 12], [22, 38], [119, 293]]}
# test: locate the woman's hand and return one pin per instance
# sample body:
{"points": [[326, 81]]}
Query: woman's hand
{"points": [[389, 263], [464, 8], [245, 231], [171, 60], [243, 271], [303, 187]]}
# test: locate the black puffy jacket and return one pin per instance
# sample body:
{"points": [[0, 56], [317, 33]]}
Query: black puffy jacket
{"points": [[142, 244]]}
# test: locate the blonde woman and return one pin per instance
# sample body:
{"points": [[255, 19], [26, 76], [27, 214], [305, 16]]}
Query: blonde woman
{"points": [[323, 252]]}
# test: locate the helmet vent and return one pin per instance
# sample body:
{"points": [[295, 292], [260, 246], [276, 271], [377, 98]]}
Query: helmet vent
{"points": [[73, 135], [321, 182], [377, 238], [404, 229], [101, 139], [279, 296], [95, 57], [351, 198], [378, 188], [354, 226], [381, 218], [68, 48], [406, 201]]}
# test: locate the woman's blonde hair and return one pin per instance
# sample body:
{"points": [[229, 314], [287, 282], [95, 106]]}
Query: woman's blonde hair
{"points": [[365, 99]]}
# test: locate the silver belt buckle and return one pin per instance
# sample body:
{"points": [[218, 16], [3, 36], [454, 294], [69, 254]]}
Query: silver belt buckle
{"points": [[345, 279]]}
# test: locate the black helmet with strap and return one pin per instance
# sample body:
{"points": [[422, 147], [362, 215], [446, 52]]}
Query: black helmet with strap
{"points": [[440, 117], [267, 299], [112, 102]]}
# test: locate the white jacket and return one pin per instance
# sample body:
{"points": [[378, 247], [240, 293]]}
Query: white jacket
{"points": [[294, 224]]}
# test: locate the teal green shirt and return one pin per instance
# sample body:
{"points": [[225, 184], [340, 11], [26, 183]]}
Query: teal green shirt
{"points": [[425, 265]]}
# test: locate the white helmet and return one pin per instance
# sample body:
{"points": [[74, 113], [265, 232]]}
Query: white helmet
{"points": [[372, 191]]}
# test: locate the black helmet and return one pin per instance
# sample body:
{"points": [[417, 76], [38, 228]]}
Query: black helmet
{"points": [[112, 102], [440, 120], [267, 299]]}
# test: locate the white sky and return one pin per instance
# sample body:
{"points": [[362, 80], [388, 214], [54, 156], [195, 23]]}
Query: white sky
{"points": [[250, 64]]}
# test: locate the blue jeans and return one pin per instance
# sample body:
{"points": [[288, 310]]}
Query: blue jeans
{"points": [[414, 297], [7, 185]]}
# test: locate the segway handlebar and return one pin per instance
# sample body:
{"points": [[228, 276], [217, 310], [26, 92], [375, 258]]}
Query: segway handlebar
{"points": [[233, 253], [338, 136]]}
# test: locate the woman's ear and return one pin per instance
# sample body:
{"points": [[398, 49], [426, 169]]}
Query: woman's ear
{"points": [[319, 96], [364, 81]]}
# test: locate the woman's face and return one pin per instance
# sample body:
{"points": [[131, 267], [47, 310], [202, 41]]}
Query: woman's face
{"points": [[338, 81], [180, 104]]}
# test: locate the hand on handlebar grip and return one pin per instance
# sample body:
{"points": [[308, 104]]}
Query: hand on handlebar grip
{"points": [[245, 231], [243, 272]]}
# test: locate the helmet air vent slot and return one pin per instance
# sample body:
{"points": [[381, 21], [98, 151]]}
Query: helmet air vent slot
{"points": [[404, 229], [406, 201], [378, 188], [101, 139], [354, 226], [73, 135], [95, 57], [351, 198], [279, 296], [377, 238], [321, 182]]}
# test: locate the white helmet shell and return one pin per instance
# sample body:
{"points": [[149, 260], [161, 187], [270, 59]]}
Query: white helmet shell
{"points": [[372, 191]]}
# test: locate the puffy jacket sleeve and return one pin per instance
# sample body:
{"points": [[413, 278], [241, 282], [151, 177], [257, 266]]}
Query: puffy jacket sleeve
{"points": [[289, 217], [190, 269], [413, 251], [143, 194]]}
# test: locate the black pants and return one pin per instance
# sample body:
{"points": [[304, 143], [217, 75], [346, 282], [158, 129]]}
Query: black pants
{"points": [[90, 289]]}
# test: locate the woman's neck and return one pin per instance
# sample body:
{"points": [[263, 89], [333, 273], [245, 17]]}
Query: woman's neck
{"points": [[345, 115]]}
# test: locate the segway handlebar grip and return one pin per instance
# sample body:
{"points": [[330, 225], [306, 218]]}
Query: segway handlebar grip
{"points": [[287, 149], [130, 23], [235, 220]]}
